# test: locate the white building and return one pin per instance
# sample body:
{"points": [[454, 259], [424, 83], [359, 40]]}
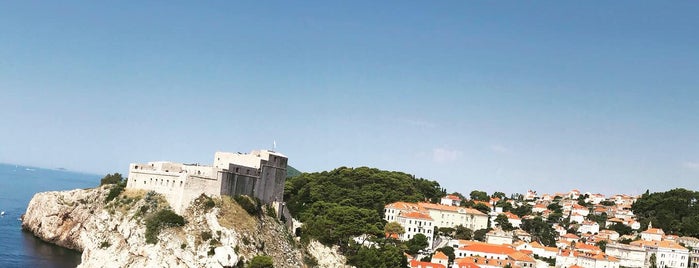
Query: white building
{"points": [[628, 255], [589, 227], [667, 253], [416, 223]]}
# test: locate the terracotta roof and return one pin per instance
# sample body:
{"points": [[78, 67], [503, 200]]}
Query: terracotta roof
{"points": [[424, 264], [440, 255], [488, 248], [424, 205], [520, 256], [452, 197], [484, 261], [570, 235], [654, 231], [415, 215], [660, 244], [511, 215]]}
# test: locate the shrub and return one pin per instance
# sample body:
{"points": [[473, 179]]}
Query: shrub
{"points": [[261, 261], [111, 179], [105, 244], [162, 219], [270, 211], [251, 206], [115, 191], [205, 202], [205, 236]]}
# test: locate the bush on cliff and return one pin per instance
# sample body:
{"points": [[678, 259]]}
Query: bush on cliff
{"points": [[115, 191], [253, 207], [111, 179], [162, 219], [261, 261]]}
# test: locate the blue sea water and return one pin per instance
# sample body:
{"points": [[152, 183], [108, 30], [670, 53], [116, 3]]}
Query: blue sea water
{"points": [[17, 186]]}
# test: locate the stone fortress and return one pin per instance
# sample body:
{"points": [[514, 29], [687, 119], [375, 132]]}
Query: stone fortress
{"points": [[260, 173]]}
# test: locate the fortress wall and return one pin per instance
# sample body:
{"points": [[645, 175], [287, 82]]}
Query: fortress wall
{"points": [[168, 183]]}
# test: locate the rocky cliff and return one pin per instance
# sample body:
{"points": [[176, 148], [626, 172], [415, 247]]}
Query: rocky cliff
{"points": [[217, 232]]}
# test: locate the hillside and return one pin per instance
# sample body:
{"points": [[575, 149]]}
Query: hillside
{"points": [[346, 202], [292, 172]]}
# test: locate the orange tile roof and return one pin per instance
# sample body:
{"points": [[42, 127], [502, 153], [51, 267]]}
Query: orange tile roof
{"points": [[453, 197], [424, 264], [424, 205], [484, 261], [415, 215], [488, 248], [520, 256], [660, 244], [440, 255], [654, 231]]}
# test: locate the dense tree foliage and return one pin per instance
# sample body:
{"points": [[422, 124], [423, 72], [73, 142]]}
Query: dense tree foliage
{"points": [[504, 223], [393, 228], [334, 224], [449, 251], [417, 243], [463, 233], [479, 195], [361, 187], [347, 202], [675, 211], [480, 234], [385, 255], [500, 195], [524, 209], [540, 231]]}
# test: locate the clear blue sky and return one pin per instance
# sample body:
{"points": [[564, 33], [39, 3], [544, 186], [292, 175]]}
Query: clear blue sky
{"points": [[489, 95]]}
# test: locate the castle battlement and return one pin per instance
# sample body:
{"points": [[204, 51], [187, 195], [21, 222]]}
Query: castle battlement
{"points": [[260, 173]]}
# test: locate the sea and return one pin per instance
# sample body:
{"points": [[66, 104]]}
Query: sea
{"points": [[17, 186]]}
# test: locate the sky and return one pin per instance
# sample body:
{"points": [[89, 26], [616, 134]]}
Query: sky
{"points": [[479, 95]]}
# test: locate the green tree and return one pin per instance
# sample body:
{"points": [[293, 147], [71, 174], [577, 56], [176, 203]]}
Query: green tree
{"points": [[653, 260], [620, 228], [500, 195], [504, 222], [111, 179], [361, 187], [602, 244], [417, 243], [446, 231], [479, 195], [482, 208], [480, 234], [522, 210], [449, 251], [261, 261], [386, 255], [393, 228], [540, 231], [463, 233], [333, 224], [674, 211]]}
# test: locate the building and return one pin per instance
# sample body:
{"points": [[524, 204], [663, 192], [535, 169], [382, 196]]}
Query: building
{"points": [[260, 174], [416, 223], [451, 200], [628, 255], [667, 253]]}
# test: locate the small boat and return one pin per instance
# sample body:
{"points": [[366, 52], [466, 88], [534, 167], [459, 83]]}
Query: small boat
{"points": [[2, 213]]}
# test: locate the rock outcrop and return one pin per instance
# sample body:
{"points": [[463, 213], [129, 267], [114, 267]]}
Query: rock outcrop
{"points": [[113, 234]]}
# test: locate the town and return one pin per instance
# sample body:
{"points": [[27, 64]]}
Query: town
{"points": [[566, 230]]}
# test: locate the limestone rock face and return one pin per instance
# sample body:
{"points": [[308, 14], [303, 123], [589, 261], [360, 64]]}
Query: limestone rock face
{"points": [[113, 234], [327, 257]]}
